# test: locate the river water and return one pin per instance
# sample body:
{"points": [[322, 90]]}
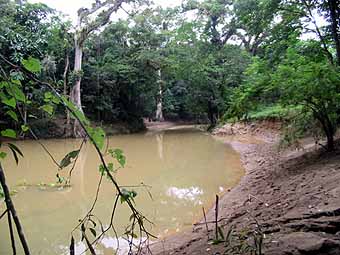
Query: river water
{"points": [[183, 170]]}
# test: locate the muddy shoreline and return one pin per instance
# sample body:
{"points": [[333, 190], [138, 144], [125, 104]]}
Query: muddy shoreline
{"points": [[292, 194]]}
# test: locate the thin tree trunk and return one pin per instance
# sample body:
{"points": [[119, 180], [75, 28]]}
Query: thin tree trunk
{"points": [[327, 129], [67, 131], [334, 13], [330, 134], [330, 142], [159, 110], [11, 232], [318, 32], [98, 44], [12, 211]]}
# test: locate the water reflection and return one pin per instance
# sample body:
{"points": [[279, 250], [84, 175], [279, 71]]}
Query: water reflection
{"points": [[192, 194], [106, 246], [159, 137]]}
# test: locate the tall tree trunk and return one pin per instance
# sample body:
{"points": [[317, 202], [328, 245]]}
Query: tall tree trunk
{"points": [[327, 128], [83, 30], [98, 52], [75, 95], [212, 112], [334, 13], [12, 211], [330, 142], [159, 110]]}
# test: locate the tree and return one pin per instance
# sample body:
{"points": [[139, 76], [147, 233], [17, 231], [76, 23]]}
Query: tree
{"points": [[304, 79], [84, 28], [313, 84], [333, 9]]}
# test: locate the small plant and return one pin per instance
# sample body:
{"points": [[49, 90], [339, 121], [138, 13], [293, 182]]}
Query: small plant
{"points": [[244, 241]]}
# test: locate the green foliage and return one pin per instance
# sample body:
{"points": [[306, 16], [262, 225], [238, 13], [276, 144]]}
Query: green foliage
{"points": [[97, 136], [10, 133], [15, 151], [275, 112], [3, 155], [304, 80], [32, 65], [240, 241], [67, 160], [24, 30], [127, 195], [203, 75], [118, 154], [300, 126]]}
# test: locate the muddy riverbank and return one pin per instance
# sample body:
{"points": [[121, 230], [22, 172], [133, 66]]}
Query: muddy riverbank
{"points": [[293, 195]]}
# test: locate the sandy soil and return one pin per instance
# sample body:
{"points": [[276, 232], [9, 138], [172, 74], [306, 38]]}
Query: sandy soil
{"points": [[292, 196]]}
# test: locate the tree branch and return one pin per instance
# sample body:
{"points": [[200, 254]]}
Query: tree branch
{"points": [[12, 211], [102, 19]]}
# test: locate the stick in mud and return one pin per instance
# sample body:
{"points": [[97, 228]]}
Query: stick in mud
{"points": [[216, 218], [206, 224]]}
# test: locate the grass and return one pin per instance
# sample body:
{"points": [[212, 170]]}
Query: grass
{"points": [[274, 112], [265, 112]]}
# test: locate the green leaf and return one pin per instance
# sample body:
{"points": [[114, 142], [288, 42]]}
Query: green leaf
{"points": [[98, 136], [76, 113], [24, 128], [10, 102], [13, 115], [82, 227], [101, 169], [15, 150], [9, 133], [48, 95], [126, 195], [3, 155], [220, 231], [56, 100], [32, 116], [118, 154], [32, 64], [93, 231], [16, 81], [47, 108], [3, 84], [110, 167], [130, 233], [16, 92], [67, 160], [72, 246]]}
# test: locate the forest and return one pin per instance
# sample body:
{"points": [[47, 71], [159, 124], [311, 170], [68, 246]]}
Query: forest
{"points": [[205, 62], [120, 64]]}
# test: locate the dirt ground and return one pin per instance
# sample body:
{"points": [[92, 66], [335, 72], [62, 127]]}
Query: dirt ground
{"points": [[291, 196]]}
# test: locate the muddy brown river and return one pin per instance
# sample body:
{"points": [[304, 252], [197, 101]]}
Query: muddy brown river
{"points": [[183, 170]]}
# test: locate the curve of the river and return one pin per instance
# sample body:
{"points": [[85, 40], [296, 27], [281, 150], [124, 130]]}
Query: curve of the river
{"points": [[183, 170]]}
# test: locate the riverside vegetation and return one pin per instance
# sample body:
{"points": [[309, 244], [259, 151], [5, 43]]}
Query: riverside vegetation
{"points": [[210, 61]]}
